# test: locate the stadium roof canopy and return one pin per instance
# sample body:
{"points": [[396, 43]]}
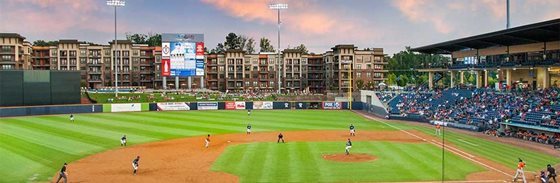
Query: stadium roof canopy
{"points": [[533, 33]]}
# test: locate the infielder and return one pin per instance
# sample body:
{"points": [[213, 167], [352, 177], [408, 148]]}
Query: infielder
{"points": [[520, 172], [248, 129], [280, 138], [71, 117], [63, 174], [438, 129], [123, 140], [543, 177], [135, 165], [352, 130], [249, 112], [207, 141], [551, 173], [348, 146]]}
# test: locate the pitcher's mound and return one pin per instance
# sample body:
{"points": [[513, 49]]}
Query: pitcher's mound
{"points": [[349, 158]]}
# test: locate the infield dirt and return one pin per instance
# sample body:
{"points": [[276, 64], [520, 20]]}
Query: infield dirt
{"points": [[186, 160]]}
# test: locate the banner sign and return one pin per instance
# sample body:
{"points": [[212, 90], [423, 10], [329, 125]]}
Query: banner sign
{"points": [[262, 105], [230, 105], [173, 106], [165, 67], [207, 105], [126, 107], [282, 105], [332, 105], [239, 105], [301, 105]]}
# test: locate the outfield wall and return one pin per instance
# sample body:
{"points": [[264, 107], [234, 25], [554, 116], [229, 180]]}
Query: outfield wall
{"points": [[175, 106]]}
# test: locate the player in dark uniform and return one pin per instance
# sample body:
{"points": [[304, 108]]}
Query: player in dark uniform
{"points": [[135, 165], [348, 146], [123, 140], [249, 129], [63, 174], [71, 117], [352, 130], [551, 173], [280, 138]]}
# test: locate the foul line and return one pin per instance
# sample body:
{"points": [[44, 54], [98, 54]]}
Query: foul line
{"points": [[451, 148]]}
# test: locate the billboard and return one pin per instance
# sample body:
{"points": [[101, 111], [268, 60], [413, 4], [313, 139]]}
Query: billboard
{"points": [[332, 105], [173, 106], [262, 105], [126, 107], [207, 105], [301, 105], [183, 54], [235, 105]]}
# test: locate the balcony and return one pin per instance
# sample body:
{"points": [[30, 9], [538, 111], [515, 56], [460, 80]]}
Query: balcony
{"points": [[94, 72], [146, 64], [94, 81]]}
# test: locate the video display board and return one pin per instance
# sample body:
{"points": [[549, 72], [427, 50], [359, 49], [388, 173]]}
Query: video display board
{"points": [[182, 54]]}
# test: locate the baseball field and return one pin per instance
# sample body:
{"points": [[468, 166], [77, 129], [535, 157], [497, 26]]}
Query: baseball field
{"points": [[171, 146]]}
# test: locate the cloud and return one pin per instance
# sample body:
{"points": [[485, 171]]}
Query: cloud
{"points": [[45, 17], [424, 11]]}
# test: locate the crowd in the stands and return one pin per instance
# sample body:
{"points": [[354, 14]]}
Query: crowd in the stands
{"points": [[485, 108]]}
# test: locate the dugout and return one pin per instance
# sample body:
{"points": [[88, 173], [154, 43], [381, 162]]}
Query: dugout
{"points": [[39, 87]]}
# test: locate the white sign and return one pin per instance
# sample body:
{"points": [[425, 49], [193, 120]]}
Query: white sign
{"points": [[207, 105], [173, 106], [239, 105], [165, 50], [262, 105], [126, 107]]}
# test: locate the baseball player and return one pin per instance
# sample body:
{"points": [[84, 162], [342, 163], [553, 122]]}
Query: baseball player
{"points": [[207, 141], [519, 171], [352, 130], [135, 165], [551, 173], [348, 146], [123, 140], [248, 129], [438, 129], [71, 117], [63, 173], [280, 138], [249, 112]]}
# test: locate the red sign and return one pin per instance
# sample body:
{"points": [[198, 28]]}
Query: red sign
{"points": [[230, 105], [165, 67], [200, 48]]}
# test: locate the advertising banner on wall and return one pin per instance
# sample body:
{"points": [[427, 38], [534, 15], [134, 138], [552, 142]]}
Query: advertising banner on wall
{"points": [[165, 67], [282, 105], [207, 105], [332, 105], [262, 105], [239, 105], [173, 106], [301, 105], [126, 107], [230, 105]]}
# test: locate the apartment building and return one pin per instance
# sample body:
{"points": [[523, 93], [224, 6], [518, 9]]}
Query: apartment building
{"points": [[233, 70], [15, 52], [365, 66]]}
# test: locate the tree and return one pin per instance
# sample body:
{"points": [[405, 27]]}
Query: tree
{"points": [[136, 38], [154, 39], [265, 45], [219, 48], [250, 46], [44, 43], [391, 79], [360, 84], [151, 39], [232, 41], [302, 48]]}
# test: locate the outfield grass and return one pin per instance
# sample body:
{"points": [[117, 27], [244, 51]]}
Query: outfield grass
{"points": [[37, 146], [303, 162], [504, 154]]}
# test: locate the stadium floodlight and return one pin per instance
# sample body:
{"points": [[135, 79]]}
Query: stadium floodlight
{"points": [[116, 3], [278, 7]]}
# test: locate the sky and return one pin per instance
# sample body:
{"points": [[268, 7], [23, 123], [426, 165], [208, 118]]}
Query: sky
{"points": [[319, 24]]}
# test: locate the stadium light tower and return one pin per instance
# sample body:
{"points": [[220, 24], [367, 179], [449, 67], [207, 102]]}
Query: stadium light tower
{"points": [[116, 3], [278, 7]]}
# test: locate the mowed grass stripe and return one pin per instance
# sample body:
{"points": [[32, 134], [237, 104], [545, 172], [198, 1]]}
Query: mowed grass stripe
{"points": [[325, 172], [20, 166], [52, 140], [504, 154], [294, 168], [115, 127], [197, 127], [122, 124], [141, 122], [66, 133]]}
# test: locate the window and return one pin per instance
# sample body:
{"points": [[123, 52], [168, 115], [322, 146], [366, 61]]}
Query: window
{"points": [[7, 67], [378, 67], [368, 66], [82, 60], [358, 66], [359, 74], [378, 75], [368, 75], [72, 53], [82, 53], [6, 58]]}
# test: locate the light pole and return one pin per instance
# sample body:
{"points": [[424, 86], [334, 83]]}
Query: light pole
{"points": [[116, 3], [278, 7]]}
